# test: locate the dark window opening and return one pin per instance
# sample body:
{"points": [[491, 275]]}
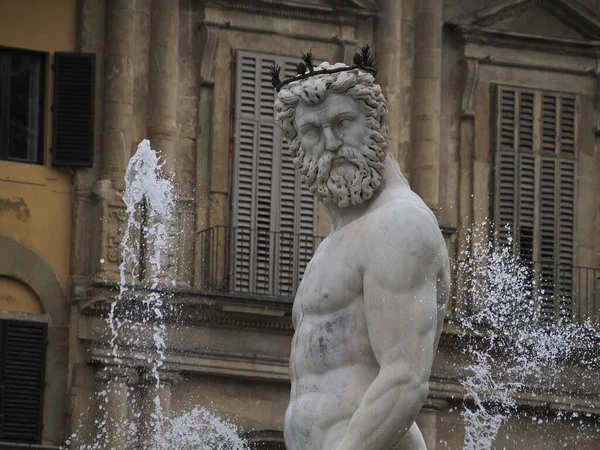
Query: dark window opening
{"points": [[22, 379], [22, 75]]}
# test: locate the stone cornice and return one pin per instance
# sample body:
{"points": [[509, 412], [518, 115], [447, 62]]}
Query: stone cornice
{"points": [[451, 390], [570, 13], [216, 363], [350, 12], [199, 308], [485, 36]]}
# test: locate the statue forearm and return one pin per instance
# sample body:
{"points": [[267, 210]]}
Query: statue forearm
{"points": [[386, 412]]}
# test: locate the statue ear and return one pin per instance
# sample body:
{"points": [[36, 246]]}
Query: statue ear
{"points": [[382, 114]]}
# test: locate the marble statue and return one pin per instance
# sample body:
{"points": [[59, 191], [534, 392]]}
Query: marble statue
{"points": [[370, 308]]}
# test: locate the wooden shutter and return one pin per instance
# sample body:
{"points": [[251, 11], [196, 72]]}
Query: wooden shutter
{"points": [[547, 237], [22, 373], [566, 233], [535, 176], [73, 108], [567, 126], [526, 205], [269, 206]]}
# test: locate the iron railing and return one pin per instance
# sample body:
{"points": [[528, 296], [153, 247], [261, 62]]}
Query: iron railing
{"points": [[271, 264], [578, 289], [254, 261]]}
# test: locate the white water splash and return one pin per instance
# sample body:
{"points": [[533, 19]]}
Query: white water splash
{"points": [[149, 199], [507, 323]]}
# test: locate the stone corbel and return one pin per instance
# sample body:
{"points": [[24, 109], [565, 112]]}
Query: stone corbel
{"points": [[209, 42], [116, 373], [467, 106], [166, 376]]}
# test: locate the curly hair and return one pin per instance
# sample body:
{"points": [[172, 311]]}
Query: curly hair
{"points": [[356, 84]]}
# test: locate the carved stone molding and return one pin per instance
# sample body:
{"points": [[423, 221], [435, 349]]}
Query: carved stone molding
{"points": [[166, 377], [198, 308], [570, 13], [528, 42], [201, 362], [209, 42], [467, 106], [435, 404], [343, 11], [117, 373]]}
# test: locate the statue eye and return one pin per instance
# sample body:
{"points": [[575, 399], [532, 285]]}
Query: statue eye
{"points": [[344, 123], [312, 132]]}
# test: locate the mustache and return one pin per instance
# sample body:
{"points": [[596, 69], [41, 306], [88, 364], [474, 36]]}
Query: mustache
{"points": [[319, 169]]}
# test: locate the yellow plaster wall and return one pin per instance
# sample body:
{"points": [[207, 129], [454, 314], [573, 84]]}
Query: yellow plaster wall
{"points": [[16, 296], [35, 200]]}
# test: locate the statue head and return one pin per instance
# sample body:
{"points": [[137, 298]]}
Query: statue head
{"points": [[336, 126]]}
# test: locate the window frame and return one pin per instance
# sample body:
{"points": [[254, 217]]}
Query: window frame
{"points": [[4, 124], [5, 323], [510, 156]]}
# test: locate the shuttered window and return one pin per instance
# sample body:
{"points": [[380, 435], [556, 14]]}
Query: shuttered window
{"points": [[73, 108], [22, 370], [535, 182], [273, 216], [22, 94]]}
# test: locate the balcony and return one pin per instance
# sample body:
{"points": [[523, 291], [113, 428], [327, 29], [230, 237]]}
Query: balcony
{"points": [[266, 264], [578, 289], [254, 262]]}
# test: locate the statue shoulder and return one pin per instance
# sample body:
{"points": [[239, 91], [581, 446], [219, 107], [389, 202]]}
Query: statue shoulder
{"points": [[403, 225]]}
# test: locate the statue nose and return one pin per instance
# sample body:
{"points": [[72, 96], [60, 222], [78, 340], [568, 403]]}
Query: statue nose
{"points": [[332, 142]]}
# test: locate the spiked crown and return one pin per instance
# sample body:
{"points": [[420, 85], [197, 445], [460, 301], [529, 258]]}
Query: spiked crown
{"points": [[363, 60]]}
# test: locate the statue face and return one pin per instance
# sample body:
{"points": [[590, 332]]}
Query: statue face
{"points": [[335, 122], [338, 165]]}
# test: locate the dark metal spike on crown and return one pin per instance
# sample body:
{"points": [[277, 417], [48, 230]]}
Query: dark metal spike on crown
{"points": [[308, 60], [363, 60], [368, 58], [275, 74]]}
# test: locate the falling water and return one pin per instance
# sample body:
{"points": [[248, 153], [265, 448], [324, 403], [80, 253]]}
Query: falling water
{"points": [[149, 199], [507, 322]]}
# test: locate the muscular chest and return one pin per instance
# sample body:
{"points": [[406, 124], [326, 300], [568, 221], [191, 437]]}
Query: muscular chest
{"points": [[332, 282]]}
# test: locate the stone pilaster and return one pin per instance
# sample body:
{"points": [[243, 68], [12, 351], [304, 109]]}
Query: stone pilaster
{"points": [[425, 158], [208, 44], [116, 407], [156, 400], [427, 421], [466, 184]]}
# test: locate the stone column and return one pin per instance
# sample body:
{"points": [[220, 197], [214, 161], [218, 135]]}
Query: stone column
{"points": [[118, 90], [427, 421], [116, 130], [115, 407], [162, 114], [162, 82], [425, 158], [407, 43], [388, 48]]}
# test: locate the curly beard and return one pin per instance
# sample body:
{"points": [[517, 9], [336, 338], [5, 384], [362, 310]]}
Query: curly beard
{"points": [[334, 182]]}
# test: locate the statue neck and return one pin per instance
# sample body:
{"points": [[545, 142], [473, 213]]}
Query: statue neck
{"points": [[392, 178]]}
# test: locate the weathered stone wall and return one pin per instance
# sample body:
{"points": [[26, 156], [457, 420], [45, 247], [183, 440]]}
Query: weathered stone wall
{"points": [[165, 72]]}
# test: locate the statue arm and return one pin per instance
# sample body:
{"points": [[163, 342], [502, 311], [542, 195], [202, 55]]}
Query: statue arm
{"points": [[400, 288]]}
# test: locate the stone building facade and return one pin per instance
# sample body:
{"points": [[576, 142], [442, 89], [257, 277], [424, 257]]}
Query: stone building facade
{"points": [[35, 219], [493, 113]]}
